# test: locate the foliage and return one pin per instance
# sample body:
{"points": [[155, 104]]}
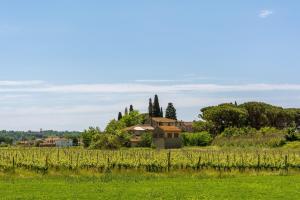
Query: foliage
{"points": [[6, 140], [156, 108], [196, 139], [254, 114], [114, 125], [292, 134], [146, 140], [171, 112], [262, 115], [208, 126], [120, 116], [132, 119], [247, 137], [150, 108], [105, 141], [131, 108], [124, 138], [88, 135], [224, 116]]}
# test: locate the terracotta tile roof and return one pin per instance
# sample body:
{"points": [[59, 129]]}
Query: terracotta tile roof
{"points": [[162, 119], [170, 128]]}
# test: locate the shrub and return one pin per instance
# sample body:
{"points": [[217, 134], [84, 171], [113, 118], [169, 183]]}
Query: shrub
{"points": [[146, 140], [247, 137], [105, 141], [196, 139]]}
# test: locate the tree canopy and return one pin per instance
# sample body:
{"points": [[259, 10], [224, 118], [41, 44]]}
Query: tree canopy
{"points": [[171, 112]]}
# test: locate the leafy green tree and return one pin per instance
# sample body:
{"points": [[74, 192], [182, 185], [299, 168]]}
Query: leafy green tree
{"points": [[88, 134], [120, 116], [196, 139], [114, 125], [171, 112], [132, 119], [209, 126], [261, 115], [146, 140], [105, 141], [224, 116]]}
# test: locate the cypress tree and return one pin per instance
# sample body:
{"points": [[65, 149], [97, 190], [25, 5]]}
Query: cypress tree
{"points": [[150, 108], [156, 107], [120, 116], [161, 112], [171, 112], [126, 111], [130, 108]]}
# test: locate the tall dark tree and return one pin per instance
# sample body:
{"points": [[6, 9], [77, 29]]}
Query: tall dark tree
{"points": [[171, 112], [130, 108], [156, 107], [120, 116], [126, 111], [150, 108], [235, 103], [161, 112]]}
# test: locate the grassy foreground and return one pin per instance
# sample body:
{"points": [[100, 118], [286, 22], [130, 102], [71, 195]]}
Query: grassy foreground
{"points": [[128, 186]]}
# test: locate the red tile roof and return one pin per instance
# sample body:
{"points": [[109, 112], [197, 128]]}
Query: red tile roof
{"points": [[162, 119], [170, 128]]}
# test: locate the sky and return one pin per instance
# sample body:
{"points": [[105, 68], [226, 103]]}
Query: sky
{"points": [[70, 64]]}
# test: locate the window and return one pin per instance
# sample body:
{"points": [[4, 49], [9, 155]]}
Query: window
{"points": [[176, 135], [169, 135]]}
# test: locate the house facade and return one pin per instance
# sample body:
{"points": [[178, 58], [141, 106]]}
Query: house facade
{"points": [[166, 134], [56, 142], [137, 131]]}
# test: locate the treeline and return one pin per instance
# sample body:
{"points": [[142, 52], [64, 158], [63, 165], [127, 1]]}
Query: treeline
{"points": [[216, 119], [9, 137]]}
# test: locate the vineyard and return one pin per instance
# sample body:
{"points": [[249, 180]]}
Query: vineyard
{"points": [[44, 159]]}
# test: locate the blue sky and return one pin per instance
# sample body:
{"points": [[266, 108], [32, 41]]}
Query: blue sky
{"points": [[73, 64]]}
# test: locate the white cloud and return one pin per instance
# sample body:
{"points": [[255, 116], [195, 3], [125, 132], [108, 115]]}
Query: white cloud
{"points": [[265, 13], [21, 83], [141, 88]]}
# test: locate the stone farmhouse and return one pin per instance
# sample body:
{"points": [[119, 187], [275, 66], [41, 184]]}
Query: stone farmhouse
{"points": [[166, 132]]}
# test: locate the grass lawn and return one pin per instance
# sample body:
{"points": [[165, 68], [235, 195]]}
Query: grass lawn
{"points": [[124, 186]]}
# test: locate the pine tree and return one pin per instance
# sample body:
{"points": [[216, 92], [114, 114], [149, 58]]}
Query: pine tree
{"points": [[161, 112], [150, 108], [156, 107], [126, 111], [120, 116], [171, 112], [130, 108]]}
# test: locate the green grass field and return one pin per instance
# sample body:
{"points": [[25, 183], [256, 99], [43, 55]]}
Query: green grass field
{"points": [[150, 186]]}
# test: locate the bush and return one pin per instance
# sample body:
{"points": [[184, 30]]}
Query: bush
{"points": [[105, 141], [88, 134], [196, 139], [233, 131], [146, 140], [247, 137]]}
